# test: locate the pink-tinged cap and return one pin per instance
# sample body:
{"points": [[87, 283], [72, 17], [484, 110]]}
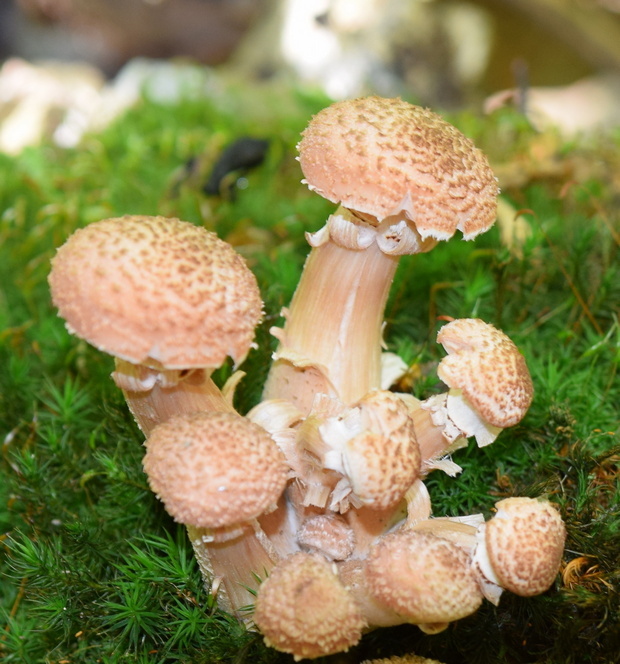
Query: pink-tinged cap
{"points": [[426, 579], [213, 470], [386, 157], [524, 544], [304, 609], [489, 370], [156, 291]]}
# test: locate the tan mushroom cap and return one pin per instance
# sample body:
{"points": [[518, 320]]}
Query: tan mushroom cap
{"points": [[156, 291], [214, 469], [328, 534], [384, 461], [425, 578], [302, 608], [385, 157], [405, 659], [525, 543], [489, 370]]}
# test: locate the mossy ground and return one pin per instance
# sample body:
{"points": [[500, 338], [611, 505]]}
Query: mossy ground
{"points": [[91, 567]]}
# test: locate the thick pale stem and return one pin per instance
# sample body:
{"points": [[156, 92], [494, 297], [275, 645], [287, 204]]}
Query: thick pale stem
{"points": [[331, 341], [231, 565], [157, 403]]}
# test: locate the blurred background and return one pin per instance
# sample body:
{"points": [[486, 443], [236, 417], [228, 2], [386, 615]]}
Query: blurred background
{"points": [[557, 60]]}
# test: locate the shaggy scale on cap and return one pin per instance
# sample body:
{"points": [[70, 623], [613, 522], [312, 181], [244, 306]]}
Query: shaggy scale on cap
{"points": [[156, 291], [405, 659], [214, 469], [488, 368], [525, 543], [385, 157], [302, 608], [426, 579], [384, 461]]}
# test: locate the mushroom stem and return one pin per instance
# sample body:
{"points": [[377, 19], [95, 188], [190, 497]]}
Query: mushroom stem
{"points": [[234, 568], [331, 341], [155, 401]]}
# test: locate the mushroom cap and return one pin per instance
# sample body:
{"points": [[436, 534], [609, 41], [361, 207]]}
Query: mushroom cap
{"points": [[328, 534], [156, 291], [404, 659], [303, 608], [385, 157], [373, 445], [423, 577], [489, 370], [525, 543], [384, 461], [214, 469]]}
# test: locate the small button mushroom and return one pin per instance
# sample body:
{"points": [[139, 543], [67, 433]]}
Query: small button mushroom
{"points": [[170, 300], [425, 579], [521, 547], [214, 470], [328, 534], [404, 179], [490, 385], [216, 473], [404, 659], [302, 608]]}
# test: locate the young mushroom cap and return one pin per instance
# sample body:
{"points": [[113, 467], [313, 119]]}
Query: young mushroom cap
{"points": [[404, 659], [328, 534], [213, 470], [386, 157], [426, 579], [302, 608], [156, 291], [523, 545], [373, 444], [486, 370]]}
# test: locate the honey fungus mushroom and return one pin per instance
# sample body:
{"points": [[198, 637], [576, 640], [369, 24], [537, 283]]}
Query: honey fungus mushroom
{"points": [[302, 608], [168, 299], [424, 579], [404, 659], [490, 389], [404, 179], [214, 470], [520, 549]]}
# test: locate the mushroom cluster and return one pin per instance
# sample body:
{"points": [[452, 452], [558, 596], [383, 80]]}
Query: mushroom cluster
{"points": [[309, 515]]}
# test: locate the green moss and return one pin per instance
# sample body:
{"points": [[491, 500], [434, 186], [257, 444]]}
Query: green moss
{"points": [[93, 570]]}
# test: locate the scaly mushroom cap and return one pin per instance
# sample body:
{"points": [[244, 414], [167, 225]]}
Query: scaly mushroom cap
{"points": [[328, 534], [302, 608], [214, 469], [385, 157], [374, 446], [405, 659], [156, 291], [524, 544], [489, 370], [384, 461], [426, 579]]}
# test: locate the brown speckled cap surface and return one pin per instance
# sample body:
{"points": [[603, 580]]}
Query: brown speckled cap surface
{"points": [[385, 157], [404, 659], [384, 460], [156, 291], [302, 608], [525, 542], [214, 469], [489, 369], [423, 577]]}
